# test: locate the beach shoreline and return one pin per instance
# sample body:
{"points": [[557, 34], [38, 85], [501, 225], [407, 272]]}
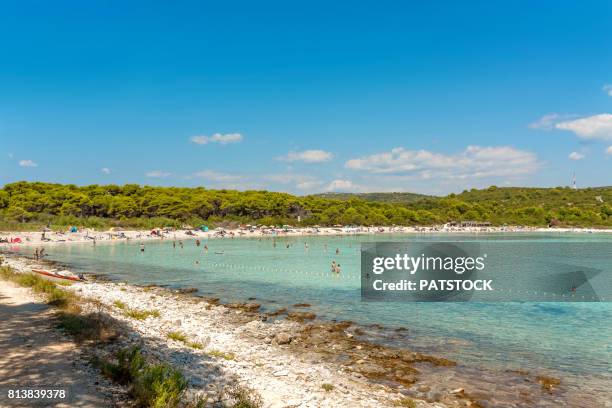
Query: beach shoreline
{"points": [[236, 345], [274, 348], [91, 236]]}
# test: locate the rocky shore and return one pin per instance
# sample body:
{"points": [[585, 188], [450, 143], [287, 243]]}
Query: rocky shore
{"points": [[288, 357], [216, 346]]}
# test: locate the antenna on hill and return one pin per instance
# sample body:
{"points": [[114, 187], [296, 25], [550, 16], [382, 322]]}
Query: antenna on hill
{"points": [[574, 181]]}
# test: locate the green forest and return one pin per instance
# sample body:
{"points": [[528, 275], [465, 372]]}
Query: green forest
{"points": [[32, 205]]}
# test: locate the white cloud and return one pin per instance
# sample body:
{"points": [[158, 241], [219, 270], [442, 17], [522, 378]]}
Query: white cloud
{"points": [[609, 151], [340, 185], [105, 170], [308, 156], [27, 163], [158, 174], [576, 156], [607, 88], [590, 127], [546, 122], [473, 162], [217, 138], [218, 177]]}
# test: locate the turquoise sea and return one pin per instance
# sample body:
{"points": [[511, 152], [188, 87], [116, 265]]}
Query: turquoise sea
{"points": [[570, 340]]}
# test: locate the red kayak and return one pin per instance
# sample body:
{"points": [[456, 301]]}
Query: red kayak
{"points": [[55, 275]]}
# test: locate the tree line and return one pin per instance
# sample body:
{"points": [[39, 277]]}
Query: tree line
{"points": [[35, 203]]}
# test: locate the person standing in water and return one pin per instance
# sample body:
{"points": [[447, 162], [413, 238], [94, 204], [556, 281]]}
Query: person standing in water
{"points": [[337, 251], [197, 242], [142, 247]]}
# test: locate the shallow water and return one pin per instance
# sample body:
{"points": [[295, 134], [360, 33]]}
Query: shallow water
{"points": [[570, 340]]}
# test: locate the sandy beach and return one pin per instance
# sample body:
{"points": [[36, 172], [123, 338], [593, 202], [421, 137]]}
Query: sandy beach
{"points": [[92, 236]]}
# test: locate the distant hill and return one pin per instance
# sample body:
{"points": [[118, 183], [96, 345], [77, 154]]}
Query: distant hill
{"points": [[395, 198]]}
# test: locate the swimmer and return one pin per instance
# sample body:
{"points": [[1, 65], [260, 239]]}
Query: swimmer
{"points": [[142, 247], [337, 251], [197, 242], [205, 247]]}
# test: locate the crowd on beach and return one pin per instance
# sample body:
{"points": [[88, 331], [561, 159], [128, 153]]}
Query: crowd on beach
{"points": [[81, 235]]}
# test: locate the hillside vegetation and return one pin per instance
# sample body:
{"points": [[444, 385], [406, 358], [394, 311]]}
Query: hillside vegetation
{"points": [[26, 205], [401, 198]]}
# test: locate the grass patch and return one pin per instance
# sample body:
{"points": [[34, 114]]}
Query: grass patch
{"points": [[90, 327], [177, 336], [195, 345], [405, 402], [141, 314], [119, 304], [55, 296], [328, 387], [221, 354], [152, 385]]}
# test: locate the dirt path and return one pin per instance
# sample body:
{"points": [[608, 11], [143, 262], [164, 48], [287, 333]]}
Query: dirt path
{"points": [[33, 353]]}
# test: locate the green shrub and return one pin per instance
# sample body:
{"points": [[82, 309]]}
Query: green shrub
{"points": [[157, 385]]}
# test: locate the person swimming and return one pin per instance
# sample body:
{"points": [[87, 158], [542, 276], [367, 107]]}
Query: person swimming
{"points": [[142, 247], [337, 251], [197, 242]]}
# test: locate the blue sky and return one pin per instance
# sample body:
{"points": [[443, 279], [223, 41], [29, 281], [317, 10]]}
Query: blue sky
{"points": [[430, 97]]}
